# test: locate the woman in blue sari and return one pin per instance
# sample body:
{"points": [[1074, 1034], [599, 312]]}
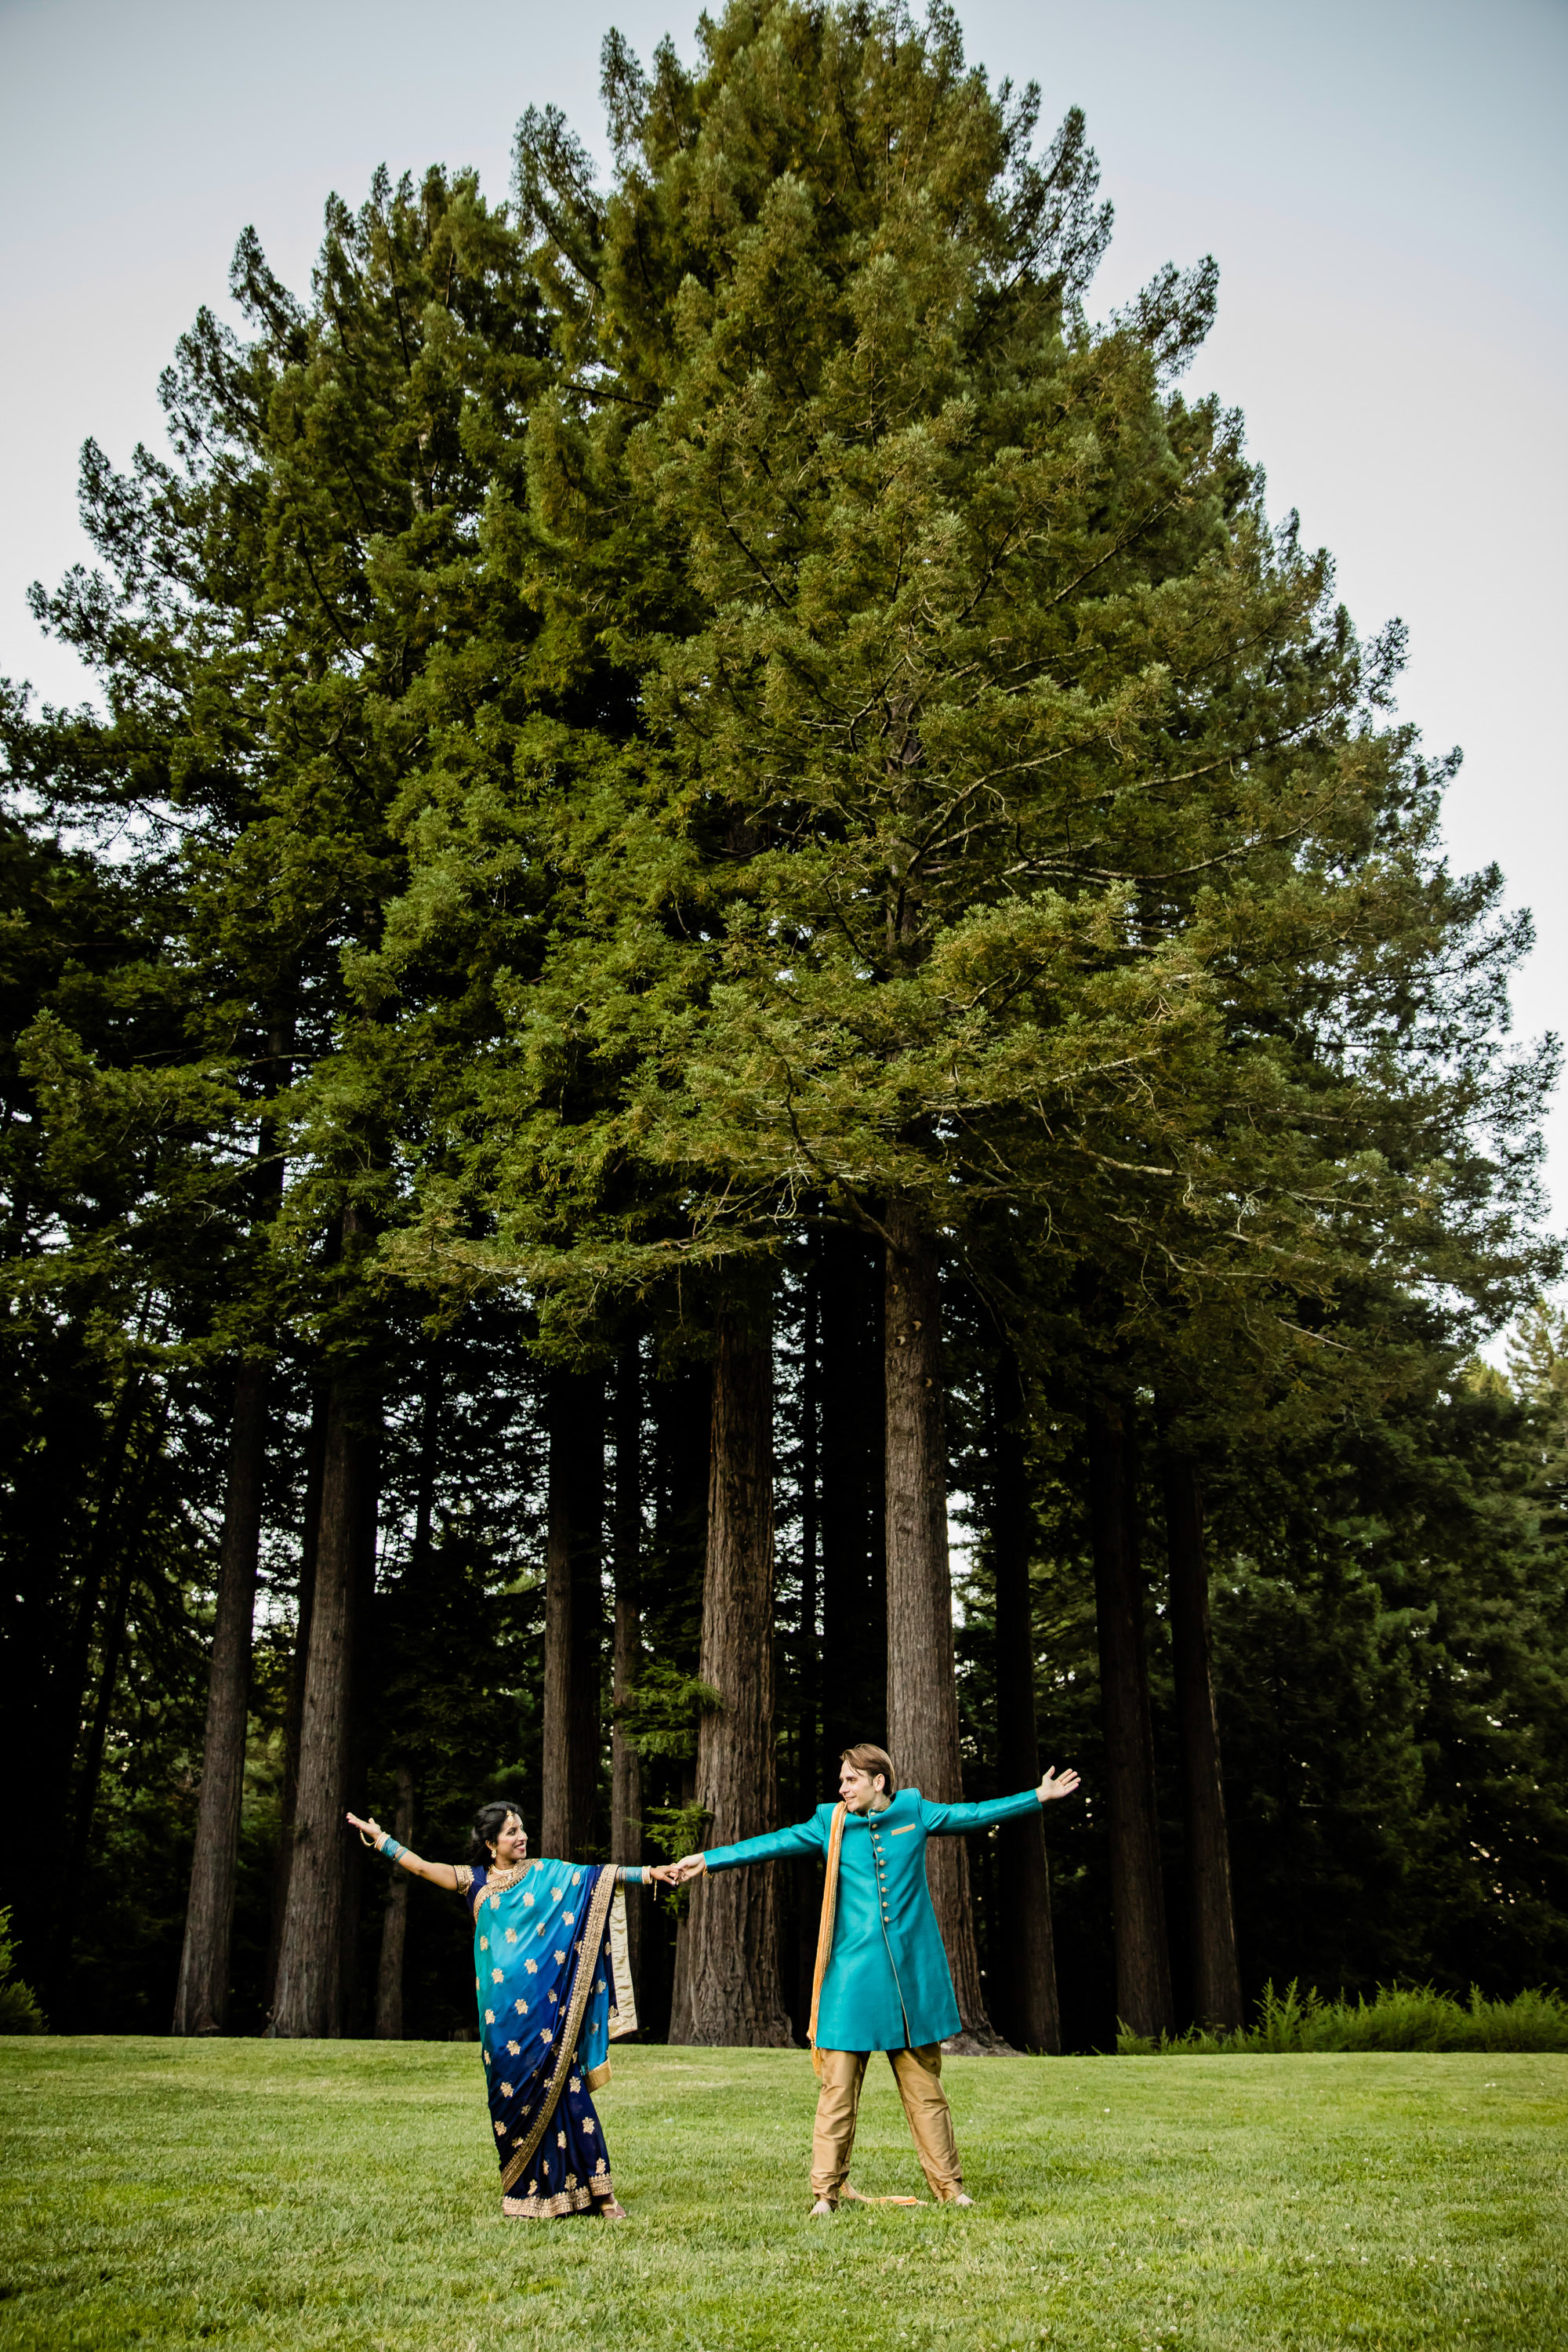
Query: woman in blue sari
{"points": [[553, 1991]]}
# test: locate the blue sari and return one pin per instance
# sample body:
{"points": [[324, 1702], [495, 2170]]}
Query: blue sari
{"points": [[547, 1937]]}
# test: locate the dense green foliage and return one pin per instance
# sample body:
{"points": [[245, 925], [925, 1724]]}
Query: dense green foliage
{"points": [[19, 2010], [639, 725], [1396, 2018]]}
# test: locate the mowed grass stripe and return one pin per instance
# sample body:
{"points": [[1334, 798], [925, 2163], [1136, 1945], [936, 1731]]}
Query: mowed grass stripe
{"points": [[278, 2195]]}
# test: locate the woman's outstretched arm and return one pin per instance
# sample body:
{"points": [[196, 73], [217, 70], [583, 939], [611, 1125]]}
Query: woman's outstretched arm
{"points": [[439, 1873]]}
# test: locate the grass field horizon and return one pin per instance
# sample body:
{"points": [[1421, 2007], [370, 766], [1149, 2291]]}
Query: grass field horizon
{"points": [[267, 2194]]}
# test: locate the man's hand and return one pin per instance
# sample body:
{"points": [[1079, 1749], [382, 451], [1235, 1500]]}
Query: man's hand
{"points": [[690, 1865], [1055, 1784]]}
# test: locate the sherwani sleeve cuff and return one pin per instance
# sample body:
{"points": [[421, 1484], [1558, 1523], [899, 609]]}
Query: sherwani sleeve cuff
{"points": [[803, 1837], [951, 1820]]}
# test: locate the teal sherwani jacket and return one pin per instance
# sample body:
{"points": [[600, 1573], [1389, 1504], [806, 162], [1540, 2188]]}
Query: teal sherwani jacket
{"points": [[887, 1982]]}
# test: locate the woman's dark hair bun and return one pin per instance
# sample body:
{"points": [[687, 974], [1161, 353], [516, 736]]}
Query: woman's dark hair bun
{"points": [[489, 1823]]}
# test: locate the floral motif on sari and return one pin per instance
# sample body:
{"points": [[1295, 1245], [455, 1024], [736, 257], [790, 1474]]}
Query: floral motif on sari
{"points": [[544, 1968]]}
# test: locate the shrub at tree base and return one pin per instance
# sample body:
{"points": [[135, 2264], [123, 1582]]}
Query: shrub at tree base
{"points": [[1398, 2017], [19, 2010]]}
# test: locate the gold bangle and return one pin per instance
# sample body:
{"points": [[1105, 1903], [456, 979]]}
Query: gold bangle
{"points": [[374, 1842]]}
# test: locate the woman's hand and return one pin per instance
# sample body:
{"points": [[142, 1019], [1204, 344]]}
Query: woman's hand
{"points": [[439, 1873], [1055, 1784], [663, 1872]]}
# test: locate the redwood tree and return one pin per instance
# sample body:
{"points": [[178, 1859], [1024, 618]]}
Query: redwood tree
{"points": [[729, 1987], [1211, 1924], [574, 1611], [1137, 1898], [308, 1997], [922, 1696], [201, 2000], [1023, 1974], [626, 1764]]}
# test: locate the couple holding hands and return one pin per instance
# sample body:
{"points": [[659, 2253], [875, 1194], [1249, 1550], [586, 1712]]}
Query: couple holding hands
{"points": [[553, 1986]]}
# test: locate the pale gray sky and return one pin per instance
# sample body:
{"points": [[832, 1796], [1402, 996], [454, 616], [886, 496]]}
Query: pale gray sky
{"points": [[1381, 184]]}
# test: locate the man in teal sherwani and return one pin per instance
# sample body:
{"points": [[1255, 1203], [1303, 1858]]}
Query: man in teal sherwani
{"points": [[883, 1980]]}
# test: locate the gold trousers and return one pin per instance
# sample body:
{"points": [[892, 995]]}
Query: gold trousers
{"points": [[918, 2073]]}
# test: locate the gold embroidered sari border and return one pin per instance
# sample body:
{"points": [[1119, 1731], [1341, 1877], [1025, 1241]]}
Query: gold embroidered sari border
{"points": [[587, 1960]]}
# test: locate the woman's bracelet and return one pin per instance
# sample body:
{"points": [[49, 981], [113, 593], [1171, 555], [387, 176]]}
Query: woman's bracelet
{"points": [[391, 1849]]}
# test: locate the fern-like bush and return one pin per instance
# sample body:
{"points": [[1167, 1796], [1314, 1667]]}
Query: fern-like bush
{"points": [[19, 2010], [1397, 2017]]}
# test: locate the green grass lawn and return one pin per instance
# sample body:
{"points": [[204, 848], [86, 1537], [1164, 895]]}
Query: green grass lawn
{"points": [[259, 2194]]}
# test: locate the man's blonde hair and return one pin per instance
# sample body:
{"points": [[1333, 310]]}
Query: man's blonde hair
{"points": [[867, 1758]]}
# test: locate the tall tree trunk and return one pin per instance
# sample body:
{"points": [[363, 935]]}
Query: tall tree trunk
{"points": [[66, 1689], [732, 1956], [132, 1533], [294, 1714], [201, 2000], [807, 1873], [853, 1686], [922, 1693], [807, 1641], [394, 1922], [356, 1861], [626, 1764], [429, 1453], [1216, 1979], [1023, 1976], [1137, 1900], [309, 1996], [574, 1611], [71, 1677], [682, 1414], [680, 2033], [41, 1714]]}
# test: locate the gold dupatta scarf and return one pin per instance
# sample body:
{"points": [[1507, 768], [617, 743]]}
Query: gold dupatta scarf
{"points": [[825, 1931]]}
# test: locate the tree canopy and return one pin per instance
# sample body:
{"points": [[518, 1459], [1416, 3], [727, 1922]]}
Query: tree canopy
{"points": [[729, 879]]}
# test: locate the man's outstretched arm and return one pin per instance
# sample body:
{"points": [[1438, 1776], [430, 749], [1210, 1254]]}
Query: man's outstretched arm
{"points": [[952, 1820], [801, 1837]]}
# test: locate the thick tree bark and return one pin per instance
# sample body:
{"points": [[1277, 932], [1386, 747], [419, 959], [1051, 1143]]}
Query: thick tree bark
{"points": [[429, 1454], [682, 1414], [1023, 1973], [680, 2033], [1137, 1900], [394, 1922], [807, 1638], [201, 1997], [360, 1871], [806, 1890], [69, 1692], [732, 1959], [1216, 1979], [574, 1611], [309, 1997], [305, 1597], [922, 1693], [201, 2000], [131, 1535], [854, 1684], [626, 1764]]}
